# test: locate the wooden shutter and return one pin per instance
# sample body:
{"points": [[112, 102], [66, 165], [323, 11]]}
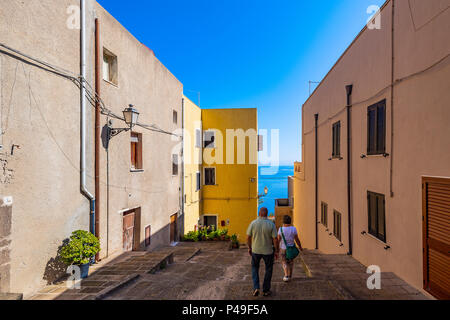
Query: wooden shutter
{"points": [[436, 236], [134, 142]]}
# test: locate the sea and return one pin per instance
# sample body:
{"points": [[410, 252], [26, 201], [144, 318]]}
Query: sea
{"points": [[276, 180]]}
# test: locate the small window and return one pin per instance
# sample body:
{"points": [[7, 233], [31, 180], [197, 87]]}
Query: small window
{"points": [[148, 235], [210, 221], [209, 139], [337, 140], [210, 176], [324, 214], [376, 128], [376, 210], [175, 117], [198, 138], [199, 181], [110, 69], [174, 164], [136, 151], [337, 225]]}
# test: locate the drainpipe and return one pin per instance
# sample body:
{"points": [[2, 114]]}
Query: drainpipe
{"points": [[316, 119], [83, 187], [182, 160], [97, 132], [349, 90]]}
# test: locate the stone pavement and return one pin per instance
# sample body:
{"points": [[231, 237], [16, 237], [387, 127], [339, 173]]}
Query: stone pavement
{"points": [[108, 276], [218, 274], [350, 277], [209, 271]]}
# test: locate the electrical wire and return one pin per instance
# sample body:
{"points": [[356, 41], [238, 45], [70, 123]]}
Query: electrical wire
{"points": [[426, 23], [92, 96], [396, 82]]}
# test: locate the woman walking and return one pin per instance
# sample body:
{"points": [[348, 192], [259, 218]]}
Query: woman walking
{"points": [[287, 237]]}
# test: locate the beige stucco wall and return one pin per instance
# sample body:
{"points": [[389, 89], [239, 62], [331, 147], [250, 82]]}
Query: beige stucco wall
{"points": [[40, 112], [192, 165], [421, 135], [144, 82]]}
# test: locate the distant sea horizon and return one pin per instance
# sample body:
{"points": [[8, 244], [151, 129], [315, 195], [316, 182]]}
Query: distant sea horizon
{"points": [[276, 183]]}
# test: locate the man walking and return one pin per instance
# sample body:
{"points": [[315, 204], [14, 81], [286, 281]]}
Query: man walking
{"points": [[262, 244]]}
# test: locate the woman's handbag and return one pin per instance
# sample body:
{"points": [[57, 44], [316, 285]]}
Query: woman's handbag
{"points": [[291, 251]]}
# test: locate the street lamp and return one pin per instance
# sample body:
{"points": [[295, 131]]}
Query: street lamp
{"points": [[266, 191], [130, 116]]}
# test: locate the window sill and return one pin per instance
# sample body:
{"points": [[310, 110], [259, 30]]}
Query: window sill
{"points": [[378, 155], [386, 246], [335, 158], [111, 83], [210, 185], [136, 170]]}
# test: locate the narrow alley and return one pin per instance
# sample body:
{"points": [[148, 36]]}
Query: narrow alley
{"points": [[209, 271]]}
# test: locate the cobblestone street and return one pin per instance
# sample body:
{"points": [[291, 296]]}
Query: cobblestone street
{"points": [[209, 271]]}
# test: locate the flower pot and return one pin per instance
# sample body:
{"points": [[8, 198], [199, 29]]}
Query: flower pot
{"points": [[84, 269]]}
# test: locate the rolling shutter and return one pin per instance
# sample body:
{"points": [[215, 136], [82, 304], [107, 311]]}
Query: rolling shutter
{"points": [[437, 237]]}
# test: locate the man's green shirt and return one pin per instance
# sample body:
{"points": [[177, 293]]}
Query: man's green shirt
{"points": [[262, 231]]}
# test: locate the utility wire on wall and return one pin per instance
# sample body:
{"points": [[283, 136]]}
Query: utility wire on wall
{"points": [[92, 96], [396, 82]]}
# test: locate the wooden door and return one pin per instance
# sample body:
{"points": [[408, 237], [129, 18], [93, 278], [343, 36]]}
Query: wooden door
{"points": [[436, 236], [173, 227], [128, 231]]}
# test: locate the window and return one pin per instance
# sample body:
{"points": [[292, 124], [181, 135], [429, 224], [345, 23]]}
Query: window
{"points": [[208, 138], [376, 128], [210, 176], [337, 140], [174, 164], [148, 235], [136, 151], [110, 70], [337, 225], [175, 117], [198, 138], [376, 210], [210, 221], [199, 181], [324, 214]]}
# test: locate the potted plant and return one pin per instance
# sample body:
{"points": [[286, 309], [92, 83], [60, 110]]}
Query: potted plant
{"points": [[234, 242], [223, 233], [80, 249]]}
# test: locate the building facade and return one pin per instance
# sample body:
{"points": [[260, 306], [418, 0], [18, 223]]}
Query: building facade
{"points": [[192, 158], [140, 178], [375, 136], [221, 183], [50, 183]]}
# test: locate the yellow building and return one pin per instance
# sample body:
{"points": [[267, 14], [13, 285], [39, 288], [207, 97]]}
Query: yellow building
{"points": [[221, 189]]}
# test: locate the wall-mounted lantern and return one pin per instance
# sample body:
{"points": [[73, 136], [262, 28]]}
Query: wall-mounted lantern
{"points": [[130, 116]]}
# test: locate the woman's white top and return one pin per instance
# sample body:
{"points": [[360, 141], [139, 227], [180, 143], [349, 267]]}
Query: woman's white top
{"points": [[289, 235]]}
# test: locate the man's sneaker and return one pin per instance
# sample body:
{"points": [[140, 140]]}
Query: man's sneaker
{"points": [[286, 279], [267, 293], [255, 293]]}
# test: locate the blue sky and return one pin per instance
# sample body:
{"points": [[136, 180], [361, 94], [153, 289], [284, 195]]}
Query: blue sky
{"points": [[247, 53]]}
